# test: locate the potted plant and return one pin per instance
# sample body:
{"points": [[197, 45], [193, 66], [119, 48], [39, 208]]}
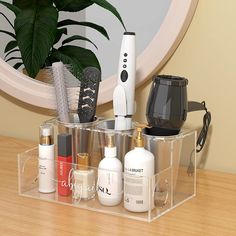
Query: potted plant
{"points": [[36, 31]]}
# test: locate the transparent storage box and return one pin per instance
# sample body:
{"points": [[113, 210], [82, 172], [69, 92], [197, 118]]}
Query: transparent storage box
{"points": [[174, 181]]}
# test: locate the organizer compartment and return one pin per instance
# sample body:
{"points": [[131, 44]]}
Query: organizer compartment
{"points": [[174, 181]]}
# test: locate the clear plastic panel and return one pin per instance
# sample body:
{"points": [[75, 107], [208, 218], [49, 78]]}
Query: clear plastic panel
{"points": [[184, 168], [82, 186], [161, 194], [174, 181], [161, 149]]}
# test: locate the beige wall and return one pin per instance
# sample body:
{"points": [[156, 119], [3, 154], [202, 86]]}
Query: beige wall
{"points": [[206, 57]]}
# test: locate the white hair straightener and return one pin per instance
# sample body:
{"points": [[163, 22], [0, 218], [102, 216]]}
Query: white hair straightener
{"points": [[123, 96]]}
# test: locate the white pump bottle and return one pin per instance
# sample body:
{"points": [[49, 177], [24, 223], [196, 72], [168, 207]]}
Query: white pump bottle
{"points": [[139, 169], [109, 184]]}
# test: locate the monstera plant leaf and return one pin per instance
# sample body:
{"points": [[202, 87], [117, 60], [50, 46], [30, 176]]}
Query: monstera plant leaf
{"points": [[9, 22], [10, 52], [78, 5], [22, 4], [78, 37], [106, 5], [79, 58], [36, 29], [37, 32], [17, 65], [11, 45], [13, 58], [59, 34], [8, 33], [96, 27], [11, 7], [72, 5]]}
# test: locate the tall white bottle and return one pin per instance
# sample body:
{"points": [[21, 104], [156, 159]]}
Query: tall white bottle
{"points": [[109, 184], [46, 160], [138, 168]]}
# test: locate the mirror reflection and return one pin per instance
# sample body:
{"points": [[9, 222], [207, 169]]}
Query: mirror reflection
{"points": [[144, 19]]}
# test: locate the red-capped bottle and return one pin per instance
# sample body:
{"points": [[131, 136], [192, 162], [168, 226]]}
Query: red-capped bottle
{"points": [[64, 164]]}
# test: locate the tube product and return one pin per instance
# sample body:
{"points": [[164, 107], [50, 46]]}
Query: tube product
{"points": [[64, 164]]}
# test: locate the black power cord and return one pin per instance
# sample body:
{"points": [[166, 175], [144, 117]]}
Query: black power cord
{"points": [[197, 106], [203, 134]]}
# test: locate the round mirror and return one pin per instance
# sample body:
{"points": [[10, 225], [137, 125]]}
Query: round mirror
{"points": [[159, 26]]}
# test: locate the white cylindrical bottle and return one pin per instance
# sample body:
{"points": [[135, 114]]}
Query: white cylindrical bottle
{"points": [[109, 183], [139, 169], [46, 160]]}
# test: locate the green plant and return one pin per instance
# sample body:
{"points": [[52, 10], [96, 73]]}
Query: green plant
{"points": [[36, 30]]}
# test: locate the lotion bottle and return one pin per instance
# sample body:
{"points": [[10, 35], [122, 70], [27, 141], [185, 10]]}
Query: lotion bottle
{"points": [[139, 169], [46, 159], [109, 183]]}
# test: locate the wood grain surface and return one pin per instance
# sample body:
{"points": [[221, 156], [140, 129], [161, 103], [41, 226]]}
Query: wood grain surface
{"points": [[212, 212]]}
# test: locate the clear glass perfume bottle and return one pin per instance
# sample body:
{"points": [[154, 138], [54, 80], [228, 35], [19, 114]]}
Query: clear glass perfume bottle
{"points": [[84, 178]]}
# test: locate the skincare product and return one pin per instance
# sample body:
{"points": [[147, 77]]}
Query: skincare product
{"points": [[64, 164], [84, 179], [138, 168], [109, 184], [123, 96], [46, 159]]}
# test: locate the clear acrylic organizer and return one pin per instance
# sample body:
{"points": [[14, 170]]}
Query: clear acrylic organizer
{"points": [[174, 181]]}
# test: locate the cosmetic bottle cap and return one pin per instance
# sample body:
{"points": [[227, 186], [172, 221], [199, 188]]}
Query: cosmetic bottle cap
{"points": [[139, 141], [64, 145], [46, 129], [110, 149], [46, 133], [82, 161]]}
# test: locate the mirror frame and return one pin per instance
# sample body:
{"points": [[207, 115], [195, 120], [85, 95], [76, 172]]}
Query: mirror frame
{"points": [[149, 62]]}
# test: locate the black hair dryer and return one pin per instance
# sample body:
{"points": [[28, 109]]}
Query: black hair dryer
{"points": [[167, 107]]}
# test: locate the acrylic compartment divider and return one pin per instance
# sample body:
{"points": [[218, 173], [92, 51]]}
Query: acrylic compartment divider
{"points": [[174, 181]]}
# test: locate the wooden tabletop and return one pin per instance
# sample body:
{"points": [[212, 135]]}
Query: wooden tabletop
{"points": [[212, 212]]}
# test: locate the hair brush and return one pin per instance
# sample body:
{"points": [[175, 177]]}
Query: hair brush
{"points": [[89, 86]]}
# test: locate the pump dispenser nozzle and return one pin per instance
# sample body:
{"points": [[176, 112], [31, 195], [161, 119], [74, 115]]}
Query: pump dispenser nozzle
{"points": [[139, 141], [110, 149], [110, 142], [46, 134]]}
